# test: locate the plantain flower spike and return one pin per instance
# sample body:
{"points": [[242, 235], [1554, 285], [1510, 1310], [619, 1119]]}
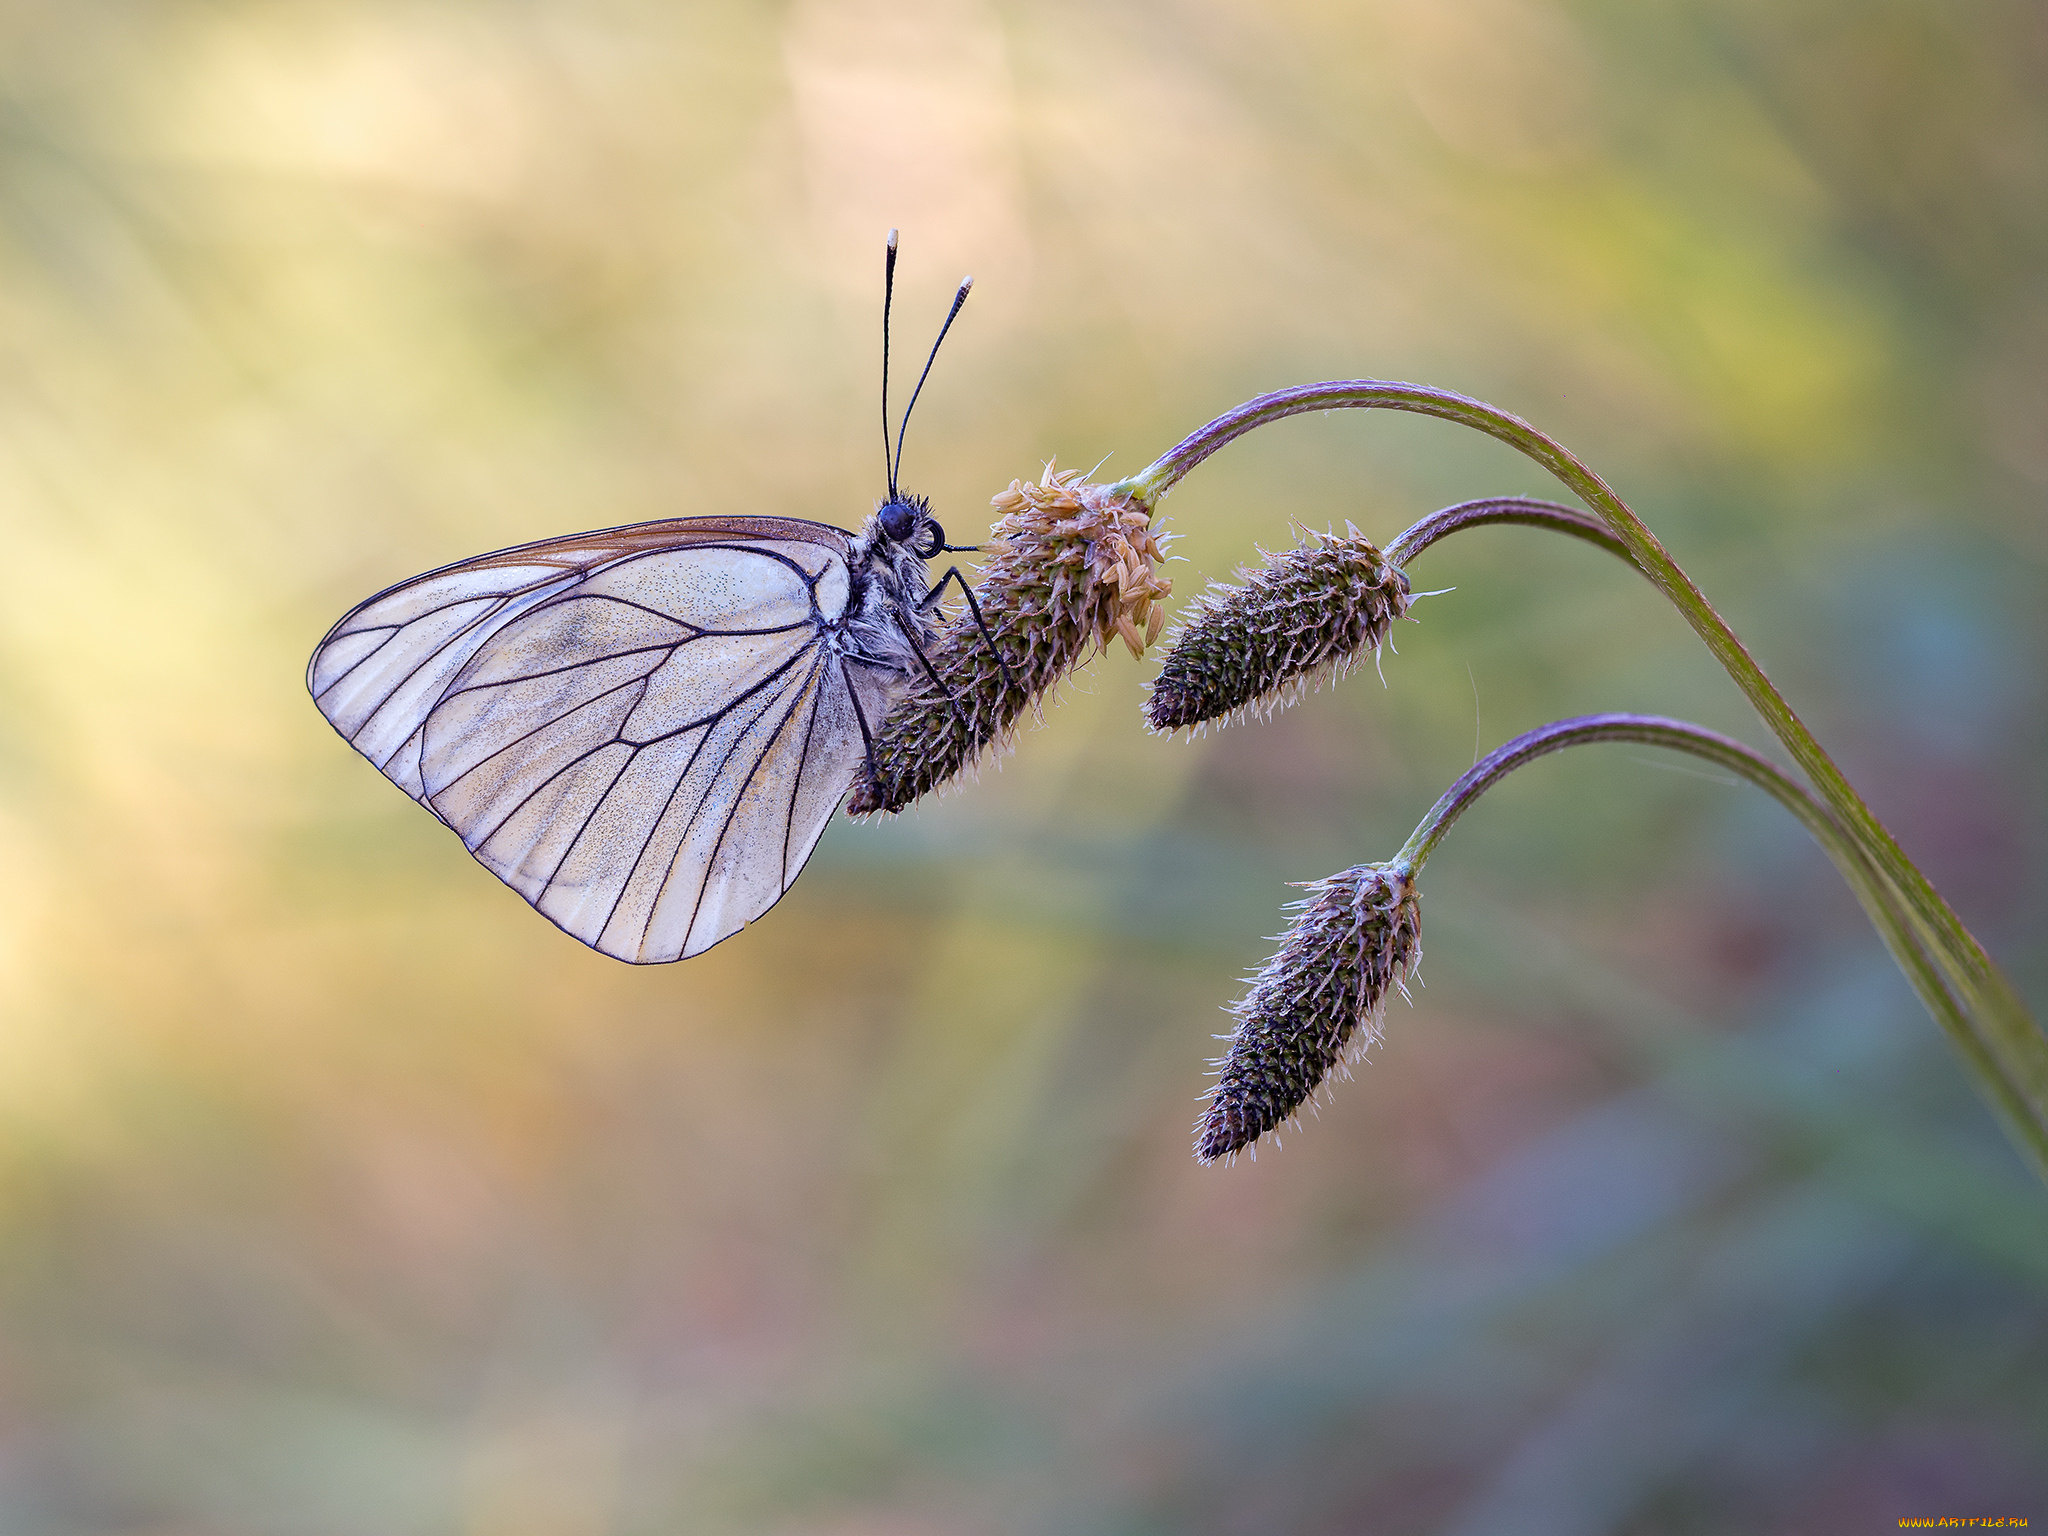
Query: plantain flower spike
{"points": [[1071, 567], [1316, 1005], [1307, 614]]}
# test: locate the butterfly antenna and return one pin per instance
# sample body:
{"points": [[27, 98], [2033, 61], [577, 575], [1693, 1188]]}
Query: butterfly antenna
{"points": [[888, 295], [952, 314]]}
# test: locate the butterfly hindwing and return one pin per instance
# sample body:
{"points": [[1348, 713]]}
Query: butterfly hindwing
{"points": [[644, 732]]}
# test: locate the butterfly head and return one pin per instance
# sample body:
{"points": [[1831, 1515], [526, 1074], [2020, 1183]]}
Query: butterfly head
{"points": [[907, 520]]}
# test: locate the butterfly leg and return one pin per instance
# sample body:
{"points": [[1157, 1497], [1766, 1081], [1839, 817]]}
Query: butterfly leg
{"points": [[931, 599], [937, 682], [867, 735], [909, 633]]}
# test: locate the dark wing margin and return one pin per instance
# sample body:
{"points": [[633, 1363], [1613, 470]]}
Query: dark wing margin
{"points": [[644, 732]]}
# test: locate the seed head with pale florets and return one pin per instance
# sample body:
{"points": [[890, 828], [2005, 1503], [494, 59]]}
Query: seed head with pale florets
{"points": [[1071, 566], [1305, 615], [1316, 1005]]}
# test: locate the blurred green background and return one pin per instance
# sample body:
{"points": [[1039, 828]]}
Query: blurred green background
{"points": [[341, 1194]]}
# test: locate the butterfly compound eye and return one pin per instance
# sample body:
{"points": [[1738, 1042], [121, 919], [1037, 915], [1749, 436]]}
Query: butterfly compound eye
{"points": [[897, 521]]}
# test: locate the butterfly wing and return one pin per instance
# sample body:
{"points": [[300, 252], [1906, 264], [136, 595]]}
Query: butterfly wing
{"points": [[644, 732]]}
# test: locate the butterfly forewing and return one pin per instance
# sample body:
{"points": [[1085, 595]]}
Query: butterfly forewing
{"points": [[385, 665], [644, 732]]}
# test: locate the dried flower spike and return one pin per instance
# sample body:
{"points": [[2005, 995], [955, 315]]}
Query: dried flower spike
{"points": [[1306, 614], [1316, 1005], [1072, 565]]}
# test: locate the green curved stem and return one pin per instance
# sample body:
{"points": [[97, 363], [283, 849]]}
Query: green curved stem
{"points": [[1995, 1033], [1523, 510], [1880, 901]]}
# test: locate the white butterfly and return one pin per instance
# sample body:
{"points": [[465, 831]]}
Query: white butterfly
{"points": [[643, 731]]}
